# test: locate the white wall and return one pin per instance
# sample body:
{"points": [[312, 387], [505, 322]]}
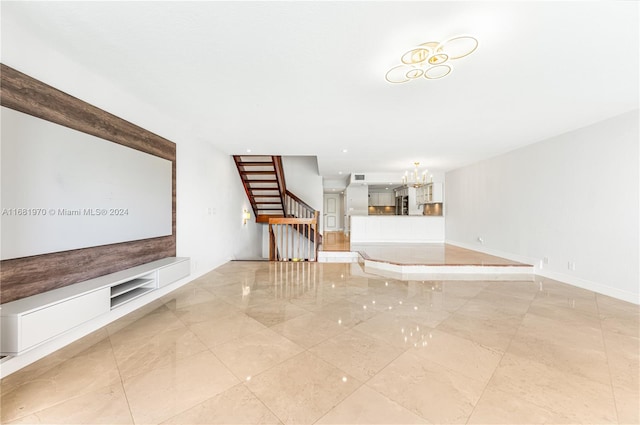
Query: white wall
{"points": [[206, 178], [303, 180], [211, 200], [356, 202], [572, 198], [335, 185]]}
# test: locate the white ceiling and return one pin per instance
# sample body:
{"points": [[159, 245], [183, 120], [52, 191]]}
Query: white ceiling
{"points": [[307, 78]]}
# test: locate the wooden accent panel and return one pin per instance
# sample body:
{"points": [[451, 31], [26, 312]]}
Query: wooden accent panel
{"points": [[22, 277]]}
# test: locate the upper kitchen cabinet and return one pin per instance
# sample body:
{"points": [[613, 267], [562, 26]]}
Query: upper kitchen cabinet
{"points": [[430, 193], [381, 199]]}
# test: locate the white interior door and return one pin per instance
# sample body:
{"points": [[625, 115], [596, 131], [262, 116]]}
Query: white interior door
{"points": [[331, 212]]}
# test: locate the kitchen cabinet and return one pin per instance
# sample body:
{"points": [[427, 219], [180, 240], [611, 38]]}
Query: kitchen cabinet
{"points": [[431, 193], [402, 192], [381, 199], [437, 193], [421, 195], [387, 199]]}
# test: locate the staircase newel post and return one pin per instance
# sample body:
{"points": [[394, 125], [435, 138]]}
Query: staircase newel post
{"points": [[316, 214], [271, 243]]}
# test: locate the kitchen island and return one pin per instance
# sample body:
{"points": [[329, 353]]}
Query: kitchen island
{"points": [[396, 229]]}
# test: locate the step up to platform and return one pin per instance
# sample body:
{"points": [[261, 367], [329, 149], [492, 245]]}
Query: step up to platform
{"points": [[500, 269]]}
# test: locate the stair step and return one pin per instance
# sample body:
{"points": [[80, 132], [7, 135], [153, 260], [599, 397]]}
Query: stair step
{"points": [[258, 168], [249, 158], [244, 172], [263, 185], [255, 164]]}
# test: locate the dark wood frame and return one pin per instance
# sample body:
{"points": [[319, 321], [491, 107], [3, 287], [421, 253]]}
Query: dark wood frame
{"points": [[22, 277]]}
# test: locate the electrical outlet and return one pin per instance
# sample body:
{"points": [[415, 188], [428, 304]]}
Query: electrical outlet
{"points": [[544, 262], [571, 265], [480, 240]]}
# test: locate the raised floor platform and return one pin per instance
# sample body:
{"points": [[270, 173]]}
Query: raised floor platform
{"points": [[432, 261]]}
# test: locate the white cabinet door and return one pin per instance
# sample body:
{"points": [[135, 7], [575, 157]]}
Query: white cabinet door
{"points": [[421, 197], [46, 323], [382, 199], [387, 199], [437, 195], [430, 194]]}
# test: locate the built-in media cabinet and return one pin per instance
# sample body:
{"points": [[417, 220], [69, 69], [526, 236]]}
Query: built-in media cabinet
{"points": [[29, 322]]}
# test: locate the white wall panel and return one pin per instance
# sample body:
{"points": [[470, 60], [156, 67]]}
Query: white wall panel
{"points": [[63, 189], [572, 199]]}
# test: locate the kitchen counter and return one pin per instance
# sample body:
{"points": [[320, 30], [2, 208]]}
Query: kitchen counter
{"points": [[397, 229]]}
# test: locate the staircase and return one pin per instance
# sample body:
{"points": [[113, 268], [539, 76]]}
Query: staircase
{"points": [[263, 180]]}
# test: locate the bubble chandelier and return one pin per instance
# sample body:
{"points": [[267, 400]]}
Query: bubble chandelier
{"points": [[431, 60]]}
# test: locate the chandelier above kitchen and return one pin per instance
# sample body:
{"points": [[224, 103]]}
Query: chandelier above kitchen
{"points": [[416, 178]]}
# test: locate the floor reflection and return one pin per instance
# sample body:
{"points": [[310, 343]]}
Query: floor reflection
{"points": [[280, 343]]}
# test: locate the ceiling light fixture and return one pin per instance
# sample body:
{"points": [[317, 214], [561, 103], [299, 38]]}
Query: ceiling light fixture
{"points": [[431, 60], [415, 178]]}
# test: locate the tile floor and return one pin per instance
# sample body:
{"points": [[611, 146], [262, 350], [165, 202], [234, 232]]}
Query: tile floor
{"points": [[432, 254], [320, 343]]}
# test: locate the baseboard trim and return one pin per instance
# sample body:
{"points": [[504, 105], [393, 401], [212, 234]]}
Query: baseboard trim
{"points": [[550, 274]]}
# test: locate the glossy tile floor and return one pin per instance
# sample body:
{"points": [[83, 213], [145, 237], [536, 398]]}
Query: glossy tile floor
{"points": [[433, 254], [321, 343], [427, 254]]}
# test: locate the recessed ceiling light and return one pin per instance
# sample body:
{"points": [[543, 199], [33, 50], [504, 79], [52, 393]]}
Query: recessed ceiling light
{"points": [[248, 150], [339, 172], [344, 151]]}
